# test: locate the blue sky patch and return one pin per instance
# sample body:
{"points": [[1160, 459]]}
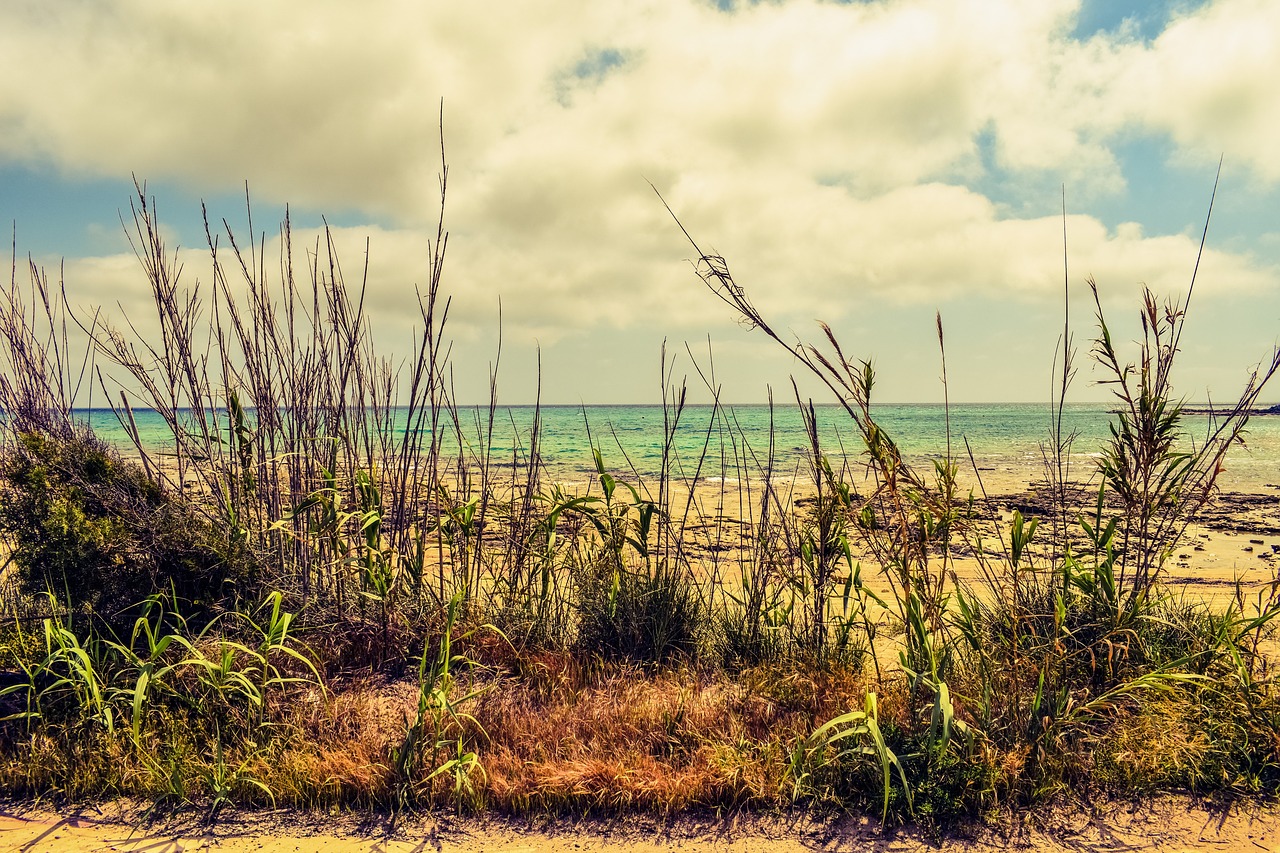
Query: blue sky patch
{"points": [[1140, 19], [59, 216]]}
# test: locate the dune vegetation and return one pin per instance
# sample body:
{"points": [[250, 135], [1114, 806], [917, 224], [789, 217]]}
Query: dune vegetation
{"points": [[327, 592]]}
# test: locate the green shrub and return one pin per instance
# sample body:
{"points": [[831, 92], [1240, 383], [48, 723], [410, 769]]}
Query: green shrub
{"points": [[647, 616], [95, 530]]}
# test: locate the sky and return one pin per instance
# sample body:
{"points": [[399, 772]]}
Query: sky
{"points": [[862, 163]]}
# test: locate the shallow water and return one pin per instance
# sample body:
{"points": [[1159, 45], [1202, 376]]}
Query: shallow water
{"points": [[1005, 439]]}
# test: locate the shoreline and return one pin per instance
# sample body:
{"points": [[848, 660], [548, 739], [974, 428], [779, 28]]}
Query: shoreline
{"points": [[1235, 542]]}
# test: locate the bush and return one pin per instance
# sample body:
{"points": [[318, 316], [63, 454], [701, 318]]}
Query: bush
{"points": [[90, 526], [647, 616]]}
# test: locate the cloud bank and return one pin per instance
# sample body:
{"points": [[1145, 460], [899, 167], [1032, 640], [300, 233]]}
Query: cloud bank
{"points": [[841, 155]]}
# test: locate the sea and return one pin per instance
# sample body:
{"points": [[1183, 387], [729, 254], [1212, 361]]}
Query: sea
{"points": [[1003, 441]]}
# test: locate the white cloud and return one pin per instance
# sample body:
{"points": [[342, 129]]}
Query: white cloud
{"points": [[1210, 81], [327, 105], [930, 243]]}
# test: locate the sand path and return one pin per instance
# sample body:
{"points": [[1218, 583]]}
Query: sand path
{"points": [[1167, 823]]}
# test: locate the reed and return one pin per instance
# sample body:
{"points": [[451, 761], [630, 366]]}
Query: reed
{"points": [[1046, 655]]}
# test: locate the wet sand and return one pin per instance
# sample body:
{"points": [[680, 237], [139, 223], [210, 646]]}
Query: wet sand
{"points": [[1232, 549]]}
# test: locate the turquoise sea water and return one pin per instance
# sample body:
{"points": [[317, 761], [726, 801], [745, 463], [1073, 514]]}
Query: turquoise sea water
{"points": [[1002, 437]]}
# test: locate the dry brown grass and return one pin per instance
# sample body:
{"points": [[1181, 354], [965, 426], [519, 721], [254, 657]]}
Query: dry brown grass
{"points": [[568, 734], [626, 739], [1156, 744], [340, 755]]}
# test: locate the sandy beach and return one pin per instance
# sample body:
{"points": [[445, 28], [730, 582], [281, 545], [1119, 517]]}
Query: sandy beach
{"points": [[1167, 823]]}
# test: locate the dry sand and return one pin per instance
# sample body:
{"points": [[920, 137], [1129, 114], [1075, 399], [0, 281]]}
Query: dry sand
{"points": [[1170, 823]]}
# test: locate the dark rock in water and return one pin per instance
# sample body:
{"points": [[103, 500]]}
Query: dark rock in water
{"points": [[1222, 410]]}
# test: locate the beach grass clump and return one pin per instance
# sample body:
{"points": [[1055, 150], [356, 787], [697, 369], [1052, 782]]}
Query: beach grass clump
{"points": [[181, 712], [649, 616], [632, 602]]}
